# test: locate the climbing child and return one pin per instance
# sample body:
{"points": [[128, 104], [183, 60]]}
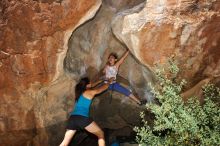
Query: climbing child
{"points": [[111, 70]]}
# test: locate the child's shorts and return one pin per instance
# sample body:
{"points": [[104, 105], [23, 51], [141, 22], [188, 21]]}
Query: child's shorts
{"points": [[119, 88]]}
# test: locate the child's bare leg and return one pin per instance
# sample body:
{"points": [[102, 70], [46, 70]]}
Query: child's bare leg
{"points": [[135, 98]]}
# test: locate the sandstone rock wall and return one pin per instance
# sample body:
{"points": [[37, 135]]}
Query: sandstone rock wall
{"points": [[185, 29], [153, 31], [36, 83], [89, 47], [33, 86]]}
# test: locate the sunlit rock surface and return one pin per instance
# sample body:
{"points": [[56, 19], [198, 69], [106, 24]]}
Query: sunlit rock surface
{"points": [[33, 88], [185, 29], [91, 43]]}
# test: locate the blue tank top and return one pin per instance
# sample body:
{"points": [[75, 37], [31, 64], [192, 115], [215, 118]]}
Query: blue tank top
{"points": [[82, 106]]}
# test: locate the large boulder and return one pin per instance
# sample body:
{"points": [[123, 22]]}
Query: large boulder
{"points": [[118, 113], [89, 47], [153, 31], [36, 82], [187, 30], [33, 86], [91, 43]]}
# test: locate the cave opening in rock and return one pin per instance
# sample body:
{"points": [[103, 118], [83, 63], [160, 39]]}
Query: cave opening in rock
{"points": [[88, 50], [92, 42]]}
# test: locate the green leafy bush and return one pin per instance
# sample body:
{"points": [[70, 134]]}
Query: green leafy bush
{"points": [[177, 123]]}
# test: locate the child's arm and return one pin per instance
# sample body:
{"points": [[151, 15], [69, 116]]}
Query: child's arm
{"points": [[122, 59]]}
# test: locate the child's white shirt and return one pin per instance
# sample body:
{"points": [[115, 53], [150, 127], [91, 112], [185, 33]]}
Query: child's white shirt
{"points": [[111, 71]]}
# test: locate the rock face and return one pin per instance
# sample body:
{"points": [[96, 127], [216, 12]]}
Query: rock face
{"points": [[33, 86], [185, 29], [153, 31], [91, 43], [36, 82], [118, 113], [89, 47]]}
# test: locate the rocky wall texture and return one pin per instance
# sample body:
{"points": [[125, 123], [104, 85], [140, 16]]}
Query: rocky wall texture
{"points": [[89, 47], [33, 86], [36, 82], [91, 43], [153, 31], [185, 29]]}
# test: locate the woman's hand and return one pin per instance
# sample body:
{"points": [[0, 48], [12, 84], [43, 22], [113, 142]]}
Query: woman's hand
{"points": [[89, 85], [93, 84], [111, 80]]}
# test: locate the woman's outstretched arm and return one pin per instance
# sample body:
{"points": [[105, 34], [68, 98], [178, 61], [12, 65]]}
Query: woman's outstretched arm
{"points": [[93, 84], [100, 89], [91, 93]]}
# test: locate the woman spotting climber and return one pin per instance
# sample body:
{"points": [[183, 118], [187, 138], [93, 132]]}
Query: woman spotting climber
{"points": [[79, 118], [111, 71]]}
